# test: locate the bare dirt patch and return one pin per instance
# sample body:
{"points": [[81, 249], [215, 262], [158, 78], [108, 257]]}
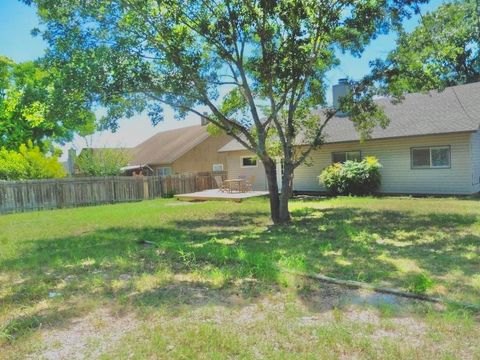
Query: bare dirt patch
{"points": [[86, 337], [286, 317]]}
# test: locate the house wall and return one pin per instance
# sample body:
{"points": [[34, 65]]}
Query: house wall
{"points": [[397, 174], [394, 155], [235, 169], [475, 151], [202, 157]]}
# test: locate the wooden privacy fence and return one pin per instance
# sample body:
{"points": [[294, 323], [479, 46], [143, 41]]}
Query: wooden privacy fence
{"points": [[18, 196]]}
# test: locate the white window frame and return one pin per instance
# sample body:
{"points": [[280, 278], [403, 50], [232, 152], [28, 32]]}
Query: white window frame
{"points": [[248, 166], [430, 148], [217, 165], [346, 152], [161, 171]]}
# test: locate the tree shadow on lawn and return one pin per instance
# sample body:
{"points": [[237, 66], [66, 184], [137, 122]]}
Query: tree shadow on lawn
{"points": [[178, 265], [384, 247], [355, 244]]}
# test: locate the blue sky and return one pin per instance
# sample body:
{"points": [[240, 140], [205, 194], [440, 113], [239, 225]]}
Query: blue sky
{"points": [[17, 20]]}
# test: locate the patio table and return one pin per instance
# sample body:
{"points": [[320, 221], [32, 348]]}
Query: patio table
{"points": [[236, 184]]}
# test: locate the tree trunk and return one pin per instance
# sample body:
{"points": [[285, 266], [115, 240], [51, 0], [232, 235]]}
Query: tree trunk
{"points": [[287, 185], [278, 201], [271, 173]]}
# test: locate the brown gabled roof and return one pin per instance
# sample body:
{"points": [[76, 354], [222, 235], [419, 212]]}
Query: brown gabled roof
{"points": [[455, 109], [167, 146]]}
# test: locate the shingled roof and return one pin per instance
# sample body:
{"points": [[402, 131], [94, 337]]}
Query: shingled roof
{"points": [[453, 110], [167, 146]]}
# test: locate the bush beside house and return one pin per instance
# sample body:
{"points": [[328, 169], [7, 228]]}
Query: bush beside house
{"points": [[352, 177]]}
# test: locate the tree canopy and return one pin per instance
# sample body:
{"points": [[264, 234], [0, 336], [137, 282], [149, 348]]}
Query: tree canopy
{"points": [[34, 107], [443, 50], [256, 67]]}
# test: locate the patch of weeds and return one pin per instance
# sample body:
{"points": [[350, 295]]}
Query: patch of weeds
{"points": [[420, 284], [335, 335], [19, 327], [291, 310], [337, 314], [259, 266], [295, 262], [217, 277], [325, 248], [389, 325], [188, 258], [288, 280], [387, 310]]}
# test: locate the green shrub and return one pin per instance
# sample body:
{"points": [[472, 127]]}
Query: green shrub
{"points": [[29, 162], [352, 177], [420, 284]]}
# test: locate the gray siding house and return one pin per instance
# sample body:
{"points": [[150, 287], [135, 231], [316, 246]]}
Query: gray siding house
{"points": [[432, 146]]}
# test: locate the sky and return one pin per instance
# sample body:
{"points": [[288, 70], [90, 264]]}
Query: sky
{"points": [[17, 20]]}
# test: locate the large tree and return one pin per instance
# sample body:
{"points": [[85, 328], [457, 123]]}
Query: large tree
{"points": [[443, 50], [34, 108], [256, 66]]}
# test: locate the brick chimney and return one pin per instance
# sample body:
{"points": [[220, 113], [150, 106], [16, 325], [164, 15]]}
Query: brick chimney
{"points": [[339, 90], [203, 119], [72, 155]]}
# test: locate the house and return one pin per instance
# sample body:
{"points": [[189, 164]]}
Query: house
{"points": [[432, 146], [183, 150]]}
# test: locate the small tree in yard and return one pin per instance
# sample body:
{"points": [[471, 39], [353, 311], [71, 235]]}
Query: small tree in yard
{"points": [[101, 162], [257, 66]]}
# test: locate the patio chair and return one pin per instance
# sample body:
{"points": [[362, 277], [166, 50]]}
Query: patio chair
{"points": [[221, 184]]}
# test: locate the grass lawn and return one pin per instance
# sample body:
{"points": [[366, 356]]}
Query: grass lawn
{"points": [[166, 279]]}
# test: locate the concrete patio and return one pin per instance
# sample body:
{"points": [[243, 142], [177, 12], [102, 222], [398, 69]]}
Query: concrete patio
{"points": [[215, 194]]}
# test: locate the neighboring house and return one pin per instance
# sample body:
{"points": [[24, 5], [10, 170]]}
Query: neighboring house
{"points": [[432, 146], [183, 150]]}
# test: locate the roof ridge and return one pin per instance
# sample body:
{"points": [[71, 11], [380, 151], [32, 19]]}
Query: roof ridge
{"points": [[426, 92]]}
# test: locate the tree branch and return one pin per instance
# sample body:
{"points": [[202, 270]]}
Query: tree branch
{"points": [[315, 142]]}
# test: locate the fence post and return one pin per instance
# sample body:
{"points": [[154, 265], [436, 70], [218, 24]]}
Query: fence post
{"points": [[145, 188], [58, 190], [114, 189]]}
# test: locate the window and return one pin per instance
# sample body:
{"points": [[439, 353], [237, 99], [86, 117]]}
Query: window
{"points": [[431, 157], [342, 156], [248, 161], [217, 167], [164, 171]]}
